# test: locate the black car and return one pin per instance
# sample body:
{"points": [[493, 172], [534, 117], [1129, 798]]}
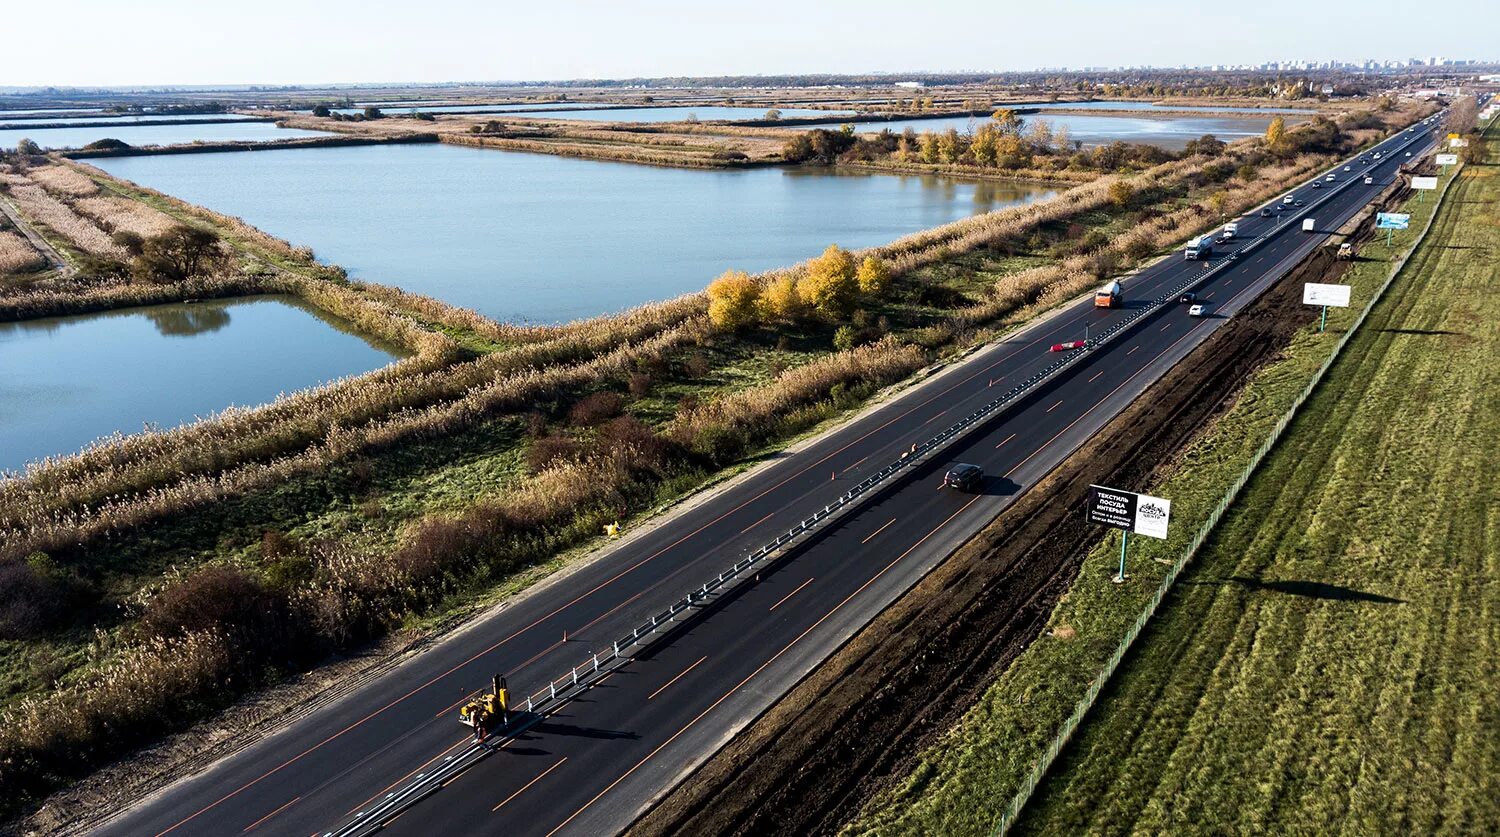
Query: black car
{"points": [[1280, 208], [1188, 298], [1265, 212], [964, 477], [1300, 203]]}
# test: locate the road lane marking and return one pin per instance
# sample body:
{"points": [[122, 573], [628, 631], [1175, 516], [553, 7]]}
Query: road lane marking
{"points": [[270, 815], [525, 787], [1091, 380], [763, 667], [1085, 413], [936, 417], [855, 465], [1054, 406], [878, 531], [1165, 327], [758, 522], [695, 665], [1132, 350], [1007, 439]]}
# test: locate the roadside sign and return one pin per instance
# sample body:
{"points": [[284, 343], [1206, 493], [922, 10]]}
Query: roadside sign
{"points": [[1138, 513], [1447, 159], [1428, 183], [1314, 293], [1457, 143], [1392, 220], [1453, 136]]}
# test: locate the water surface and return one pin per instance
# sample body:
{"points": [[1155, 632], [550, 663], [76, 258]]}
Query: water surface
{"points": [[145, 134], [145, 119], [65, 381], [544, 238], [1170, 132], [680, 114]]}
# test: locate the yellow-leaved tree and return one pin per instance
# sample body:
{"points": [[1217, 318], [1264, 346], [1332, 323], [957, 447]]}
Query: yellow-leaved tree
{"points": [[1276, 134], [873, 276], [779, 300], [733, 300], [828, 285]]}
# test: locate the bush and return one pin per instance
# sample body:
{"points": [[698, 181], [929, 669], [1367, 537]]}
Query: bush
{"points": [[845, 338], [873, 277], [547, 451], [179, 254], [829, 284], [34, 596], [780, 300], [733, 300], [596, 407], [640, 384], [219, 599]]}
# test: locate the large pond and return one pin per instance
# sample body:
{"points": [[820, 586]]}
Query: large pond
{"points": [[145, 134], [145, 119], [1148, 106], [439, 108], [66, 381], [542, 238], [1171, 132], [680, 114]]}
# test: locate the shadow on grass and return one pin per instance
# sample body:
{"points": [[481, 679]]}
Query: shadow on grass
{"points": [[1419, 331], [1315, 590]]}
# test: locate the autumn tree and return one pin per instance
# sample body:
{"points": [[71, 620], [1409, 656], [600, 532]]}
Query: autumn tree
{"points": [[983, 147], [873, 276], [733, 300], [178, 254], [829, 286], [950, 147], [1276, 134], [773, 114], [781, 300], [1120, 193], [1006, 120], [930, 150]]}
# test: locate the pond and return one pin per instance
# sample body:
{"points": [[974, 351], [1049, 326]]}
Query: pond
{"points": [[146, 134], [1170, 132], [542, 238], [680, 114], [66, 381]]}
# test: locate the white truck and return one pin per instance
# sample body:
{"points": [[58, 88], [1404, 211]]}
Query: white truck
{"points": [[1230, 230], [1199, 248], [1308, 225]]}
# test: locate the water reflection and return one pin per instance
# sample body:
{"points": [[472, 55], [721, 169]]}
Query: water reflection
{"points": [[188, 320]]}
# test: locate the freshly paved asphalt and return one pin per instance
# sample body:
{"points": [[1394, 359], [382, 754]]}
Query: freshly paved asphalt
{"points": [[594, 765]]}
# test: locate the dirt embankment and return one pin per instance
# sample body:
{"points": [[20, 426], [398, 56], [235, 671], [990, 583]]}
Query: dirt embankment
{"points": [[861, 720]]}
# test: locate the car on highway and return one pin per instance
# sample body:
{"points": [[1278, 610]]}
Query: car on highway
{"points": [[1288, 199], [1408, 153], [1369, 180], [1265, 212], [1317, 185], [964, 477], [1069, 345], [1188, 297], [1348, 168], [1300, 203], [1280, 208], [1197, 311]]}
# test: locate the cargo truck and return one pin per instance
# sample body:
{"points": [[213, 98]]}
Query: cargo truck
{"points": [[1229, 232], [1108, 296], [1199, 248], [1308, 225]]}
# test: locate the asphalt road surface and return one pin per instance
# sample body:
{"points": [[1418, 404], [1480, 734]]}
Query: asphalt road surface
{"points": [[594, 765]]}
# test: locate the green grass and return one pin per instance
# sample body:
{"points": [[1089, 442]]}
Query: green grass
{"points": [[963, 783]]}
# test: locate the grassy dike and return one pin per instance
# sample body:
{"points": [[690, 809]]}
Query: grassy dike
{"points": [[965, 782], [1332, 657]]}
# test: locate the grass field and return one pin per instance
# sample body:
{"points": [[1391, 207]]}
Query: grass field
{"points": [[963, 783], [1331, 659]]}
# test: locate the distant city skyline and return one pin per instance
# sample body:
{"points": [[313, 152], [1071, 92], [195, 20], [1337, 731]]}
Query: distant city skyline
{"points": [[277, 42]]}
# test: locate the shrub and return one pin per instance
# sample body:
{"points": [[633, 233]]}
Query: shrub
{"points": [[596, 407], [780, 300], [34, 595], [179, 254], [845, 337], [640, 384], [220, 599], [546, 451], [733, 300], [130, 242], [873, 276], [829, 285]]}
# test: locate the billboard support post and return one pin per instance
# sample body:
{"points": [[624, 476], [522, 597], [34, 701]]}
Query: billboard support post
{"points": [[1124, 542], [1323, 320]]}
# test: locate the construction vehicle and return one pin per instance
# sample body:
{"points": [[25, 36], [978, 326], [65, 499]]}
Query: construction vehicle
{"points": [[1346, 251], [485, 713], [1108, 296]]}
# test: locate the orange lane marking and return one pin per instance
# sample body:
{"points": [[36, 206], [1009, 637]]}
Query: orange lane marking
{"points": [[881, 529], [1096, 405], [444, 752], [685, 671], [270, 815], [1165, 327], [1132, 351], [938, 416], [528, 785], [1209, 296], [789, 595], [756, 523], [1054, 406], [1096, 376], [1061, 327], [856, 464], [763, 666]]}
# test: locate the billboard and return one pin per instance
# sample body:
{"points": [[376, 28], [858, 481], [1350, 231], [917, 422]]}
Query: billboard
{"points": [[1391, 220], [1457, 143], [1138, 513], [1447, 159], [1316, 294], [1428, 183]]}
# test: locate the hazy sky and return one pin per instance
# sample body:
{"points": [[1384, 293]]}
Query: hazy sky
{"points": [[108, 42]]}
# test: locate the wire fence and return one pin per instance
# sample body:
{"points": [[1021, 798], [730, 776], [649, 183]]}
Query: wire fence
{"points": [[1065, 732]]}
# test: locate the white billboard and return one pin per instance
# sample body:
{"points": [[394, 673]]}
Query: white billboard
{"points": [[1447, 159], [1151, 515], [1428, 183], [1457, 143], [1314, 293]]}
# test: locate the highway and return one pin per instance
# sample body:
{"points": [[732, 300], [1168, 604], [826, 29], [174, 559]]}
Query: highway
{"points": [[592, 766]]}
